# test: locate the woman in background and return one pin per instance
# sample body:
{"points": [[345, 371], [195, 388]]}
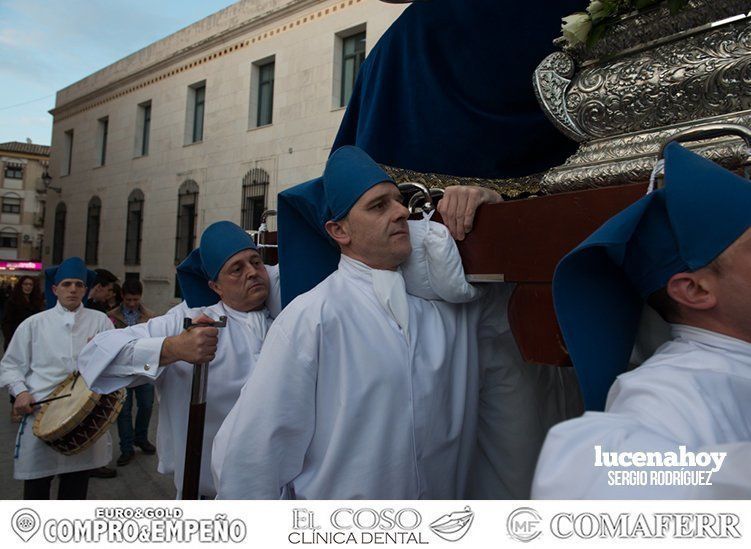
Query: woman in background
{"points": [[25, 300]]}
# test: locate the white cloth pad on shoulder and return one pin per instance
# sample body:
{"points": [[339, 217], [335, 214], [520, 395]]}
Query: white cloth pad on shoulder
{"points": [[434, 269]]}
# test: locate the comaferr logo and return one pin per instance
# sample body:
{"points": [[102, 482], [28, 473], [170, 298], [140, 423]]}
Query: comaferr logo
{"points": [[657, 525], [524, 524]]}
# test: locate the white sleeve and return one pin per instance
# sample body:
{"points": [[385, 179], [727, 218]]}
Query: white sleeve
{"points": [[569, 468], [641, 418], [129, 356], [16, 362], [261, 445], [434, 269]]}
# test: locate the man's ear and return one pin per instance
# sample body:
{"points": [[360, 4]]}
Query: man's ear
{"points": [[338, 232], [693, 290], [54, 289], [215, 287]]}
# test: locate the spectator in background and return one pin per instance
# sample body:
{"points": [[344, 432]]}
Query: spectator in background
{"points": [[129, 313], [117, 296], [102, 291], [25, 300], [99, 297], [130, 310]]}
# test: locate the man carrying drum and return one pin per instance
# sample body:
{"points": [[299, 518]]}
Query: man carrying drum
{"points": [[41, 355]]}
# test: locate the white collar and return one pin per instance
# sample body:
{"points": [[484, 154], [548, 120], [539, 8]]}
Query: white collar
{"points": [[736, 350], [388, 287], [62, 310], [710, 338]]}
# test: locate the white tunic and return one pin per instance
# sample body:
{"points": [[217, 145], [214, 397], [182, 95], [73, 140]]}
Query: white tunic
{"points": [[695, 391], [361, 391], [40, 356], [130, 357], [519, 402]]}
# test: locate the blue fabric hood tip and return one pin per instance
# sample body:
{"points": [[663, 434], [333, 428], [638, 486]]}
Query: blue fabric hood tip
{"points": [[219, 242], [73, 267], [600, 287], [306, 253]]}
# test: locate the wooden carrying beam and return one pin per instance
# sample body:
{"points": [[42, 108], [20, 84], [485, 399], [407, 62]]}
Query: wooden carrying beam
{"points": [[522, 241]]}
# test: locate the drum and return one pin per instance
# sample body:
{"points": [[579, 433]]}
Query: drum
{"points": [[72, 424]]}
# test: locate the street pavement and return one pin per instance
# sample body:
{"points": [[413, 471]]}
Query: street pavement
{"points": [[137, 480]]}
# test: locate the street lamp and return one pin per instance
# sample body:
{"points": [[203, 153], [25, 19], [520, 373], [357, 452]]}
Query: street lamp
{"points": [[47, 181]]}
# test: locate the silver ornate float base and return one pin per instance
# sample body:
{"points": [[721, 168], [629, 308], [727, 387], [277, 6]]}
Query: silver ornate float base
{"points": [[644, 87]]}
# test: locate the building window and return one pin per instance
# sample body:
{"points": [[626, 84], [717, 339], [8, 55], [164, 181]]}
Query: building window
{"points": [[11, 204], [68, 153], [134, 228], [93, 218], [196, 112], [104, 124], [265, 94], [255, 187], [143, 129], [353, 54], [58, 244], [14, 171], [187, 201], [9, 238]]}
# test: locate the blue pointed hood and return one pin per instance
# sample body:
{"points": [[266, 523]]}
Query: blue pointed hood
{"points": [[73, 267], [219, 242], [600, 287]]}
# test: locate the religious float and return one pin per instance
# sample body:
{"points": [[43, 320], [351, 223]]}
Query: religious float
{"points": [[633, 81], [654, 75]]}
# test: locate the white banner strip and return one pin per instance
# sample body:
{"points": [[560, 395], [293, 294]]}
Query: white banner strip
{"points": [[284, 524]]}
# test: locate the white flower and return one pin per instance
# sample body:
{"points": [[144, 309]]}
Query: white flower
{"points": [[597, 10], [576, 28]]}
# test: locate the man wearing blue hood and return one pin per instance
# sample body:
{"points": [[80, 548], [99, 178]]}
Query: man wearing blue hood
{"points": [[40, 356], [225, 276], [361, 390], [676, 426]]}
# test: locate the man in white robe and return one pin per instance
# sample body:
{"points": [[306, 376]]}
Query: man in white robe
{"points": [[361, 390], [40, 356], [225, 276], [679, 425]]}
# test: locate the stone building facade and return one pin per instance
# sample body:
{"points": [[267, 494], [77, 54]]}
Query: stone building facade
{"points": [[22, 206], [206, 124]]}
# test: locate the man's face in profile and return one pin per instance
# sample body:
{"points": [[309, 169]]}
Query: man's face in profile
{"points": [[102, 293], [376, 231]]}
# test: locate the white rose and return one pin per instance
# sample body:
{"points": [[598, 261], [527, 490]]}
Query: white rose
{"points": [[597, 10], [576, 28]]}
